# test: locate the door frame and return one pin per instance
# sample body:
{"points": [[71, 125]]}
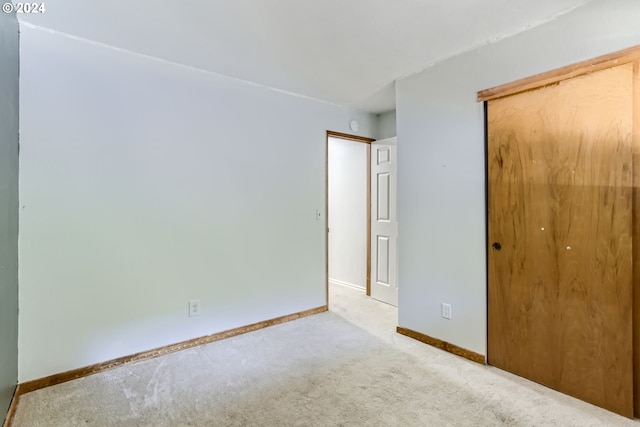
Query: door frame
{"points": [[354, 138]]}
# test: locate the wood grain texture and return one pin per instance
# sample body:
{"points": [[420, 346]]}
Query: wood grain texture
{"points": [[592, 65], [8, 421], [104, 366], [560, 204], [326, 216], [368, 255], [350, 137], [442, 345], [636, 235]]}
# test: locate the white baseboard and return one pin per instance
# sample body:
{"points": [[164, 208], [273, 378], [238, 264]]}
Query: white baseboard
{"points": [[347, 284]]}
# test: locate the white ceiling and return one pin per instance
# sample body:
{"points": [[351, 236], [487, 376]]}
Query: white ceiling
{"points": [[347, 52]]}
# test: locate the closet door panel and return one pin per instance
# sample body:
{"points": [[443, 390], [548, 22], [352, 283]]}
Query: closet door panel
{"points": [[560, 208], [636, 235]]}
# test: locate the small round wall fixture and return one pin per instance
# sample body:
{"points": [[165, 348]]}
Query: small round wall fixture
{"points": [[354, 125]]}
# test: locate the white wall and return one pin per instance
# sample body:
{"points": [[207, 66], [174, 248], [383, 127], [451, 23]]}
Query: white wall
{"points": [[348, 212], [387, 125], [9, 59], [144, 184], [441, 176]]}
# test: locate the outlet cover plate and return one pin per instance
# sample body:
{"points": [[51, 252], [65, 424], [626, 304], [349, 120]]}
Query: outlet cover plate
{"points": [[194, 307], [446, 311]]}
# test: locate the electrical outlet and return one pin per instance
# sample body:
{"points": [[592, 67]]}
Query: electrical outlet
{"points": [[194, 307], [446, 311]]}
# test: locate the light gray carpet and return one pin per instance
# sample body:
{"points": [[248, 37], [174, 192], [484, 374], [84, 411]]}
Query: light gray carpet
{"points": [[346, 367]]}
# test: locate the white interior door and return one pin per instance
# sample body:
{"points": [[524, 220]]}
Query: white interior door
{"points": [[384, 225]]}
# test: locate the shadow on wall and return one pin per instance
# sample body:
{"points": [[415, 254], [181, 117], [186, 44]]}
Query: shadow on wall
{"points": [[9, 65]]}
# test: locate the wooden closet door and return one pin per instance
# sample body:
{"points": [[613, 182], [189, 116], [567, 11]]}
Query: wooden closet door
{"points": [[560, 236]]}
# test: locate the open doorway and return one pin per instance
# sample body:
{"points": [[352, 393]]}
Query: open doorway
{"points": [[361, 215], [348, 211]]}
